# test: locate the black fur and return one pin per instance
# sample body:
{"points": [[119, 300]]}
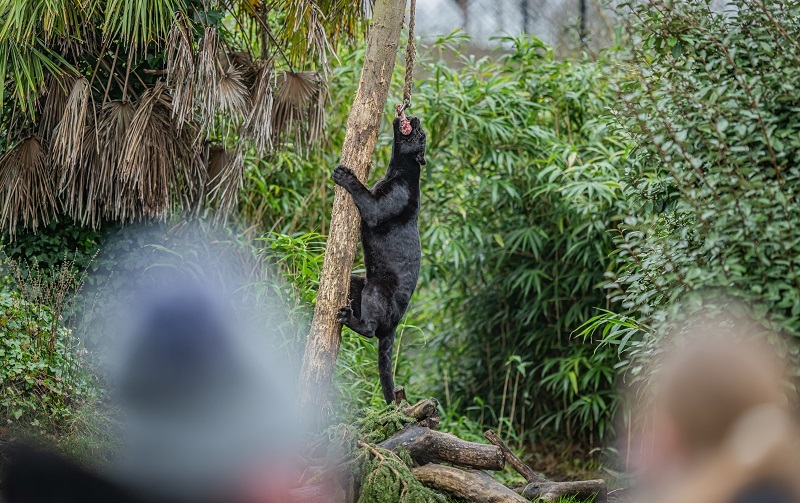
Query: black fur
{"points": [[390, 237]]}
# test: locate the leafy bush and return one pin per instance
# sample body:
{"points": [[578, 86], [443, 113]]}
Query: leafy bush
{"points": [[54, 243], [711, 101], [521, 190], [43, 379]]}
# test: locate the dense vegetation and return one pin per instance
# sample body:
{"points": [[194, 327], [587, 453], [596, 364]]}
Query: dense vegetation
{"points": [[569, 207], [710, 98]]}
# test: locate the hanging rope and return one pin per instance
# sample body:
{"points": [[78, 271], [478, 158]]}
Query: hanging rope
{"points": [[411, 54]]}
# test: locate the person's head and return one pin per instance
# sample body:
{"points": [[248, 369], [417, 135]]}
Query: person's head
{"points": [[708, 384]]}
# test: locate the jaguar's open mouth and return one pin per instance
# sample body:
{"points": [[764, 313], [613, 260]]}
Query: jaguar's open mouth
{"points": [[405, 122]]}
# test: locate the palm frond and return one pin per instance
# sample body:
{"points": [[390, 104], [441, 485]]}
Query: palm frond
{"points": [[140, 22], [94, 190], [76, 184], [27, 197], [218, 158], [246, 65], [26, 20], [68, 138], [23, 69], [208, 73], [258, 125], [299, 107], [312, 29], [226, 178], [181, 69], [233, 94], [303, 31], [158, 162], [56, 94]]}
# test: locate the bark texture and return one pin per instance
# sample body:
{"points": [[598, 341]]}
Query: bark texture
{"points": [[425, 445], [582, 489], [512, 459], [322, 346], [472, 486]]}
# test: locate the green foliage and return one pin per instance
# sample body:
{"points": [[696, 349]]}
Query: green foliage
{"points": [[710, 99], [43, 379], [56, 242], [387, 478], [378, 424], [522, 187], [381, 475]]}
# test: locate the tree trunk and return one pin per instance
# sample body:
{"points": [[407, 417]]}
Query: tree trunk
{"points": [[322, 346]]}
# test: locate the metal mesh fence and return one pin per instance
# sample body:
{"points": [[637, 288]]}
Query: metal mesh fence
{"points": [[560, 23]]}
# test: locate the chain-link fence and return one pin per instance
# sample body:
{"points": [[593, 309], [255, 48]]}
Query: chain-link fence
{"points": [[565, 24]]}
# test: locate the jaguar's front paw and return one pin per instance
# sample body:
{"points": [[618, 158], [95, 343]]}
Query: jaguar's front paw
{"points": [[343, 175], [344, 315]]}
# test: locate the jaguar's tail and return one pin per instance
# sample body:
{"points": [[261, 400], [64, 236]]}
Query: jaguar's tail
{"points": [[385, 344]]}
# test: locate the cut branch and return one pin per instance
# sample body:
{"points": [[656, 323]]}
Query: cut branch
{"points": [[552, 491], [425, 446], [512, 459], [324, 338], [472, 486]]}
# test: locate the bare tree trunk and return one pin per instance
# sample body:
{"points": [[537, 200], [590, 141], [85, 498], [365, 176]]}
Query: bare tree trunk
{"points": [[322, 346]]}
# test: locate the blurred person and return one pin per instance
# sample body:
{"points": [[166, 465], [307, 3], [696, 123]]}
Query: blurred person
{"points": [[208, 417], [722, 429]]}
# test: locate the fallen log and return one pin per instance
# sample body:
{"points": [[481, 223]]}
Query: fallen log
{"points": [[469, 485], [546, 490], [552, 491], [425, 445]]}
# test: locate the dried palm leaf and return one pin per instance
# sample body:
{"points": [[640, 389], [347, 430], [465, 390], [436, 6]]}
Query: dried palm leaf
{"points": [[315, 119], [112, 129], [303, 31], [258, 125], [191, 182], [299, 107], [366, 8], [158, 162], [226, 183], [68, 138], [56, 93], [218, 158], [245, 64], [181, 70], [89, 192], [26, 183], [76, 185], [233, 94], [208, 74]]}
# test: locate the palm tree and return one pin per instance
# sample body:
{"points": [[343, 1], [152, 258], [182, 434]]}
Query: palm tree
{"points": [[130, 110]]}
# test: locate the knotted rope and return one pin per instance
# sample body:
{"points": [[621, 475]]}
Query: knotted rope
{"points": [[411, 55]]}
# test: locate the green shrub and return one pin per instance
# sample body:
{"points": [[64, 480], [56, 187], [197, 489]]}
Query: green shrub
{"points": [[521, 190], [43, 378], [711, 100]]}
